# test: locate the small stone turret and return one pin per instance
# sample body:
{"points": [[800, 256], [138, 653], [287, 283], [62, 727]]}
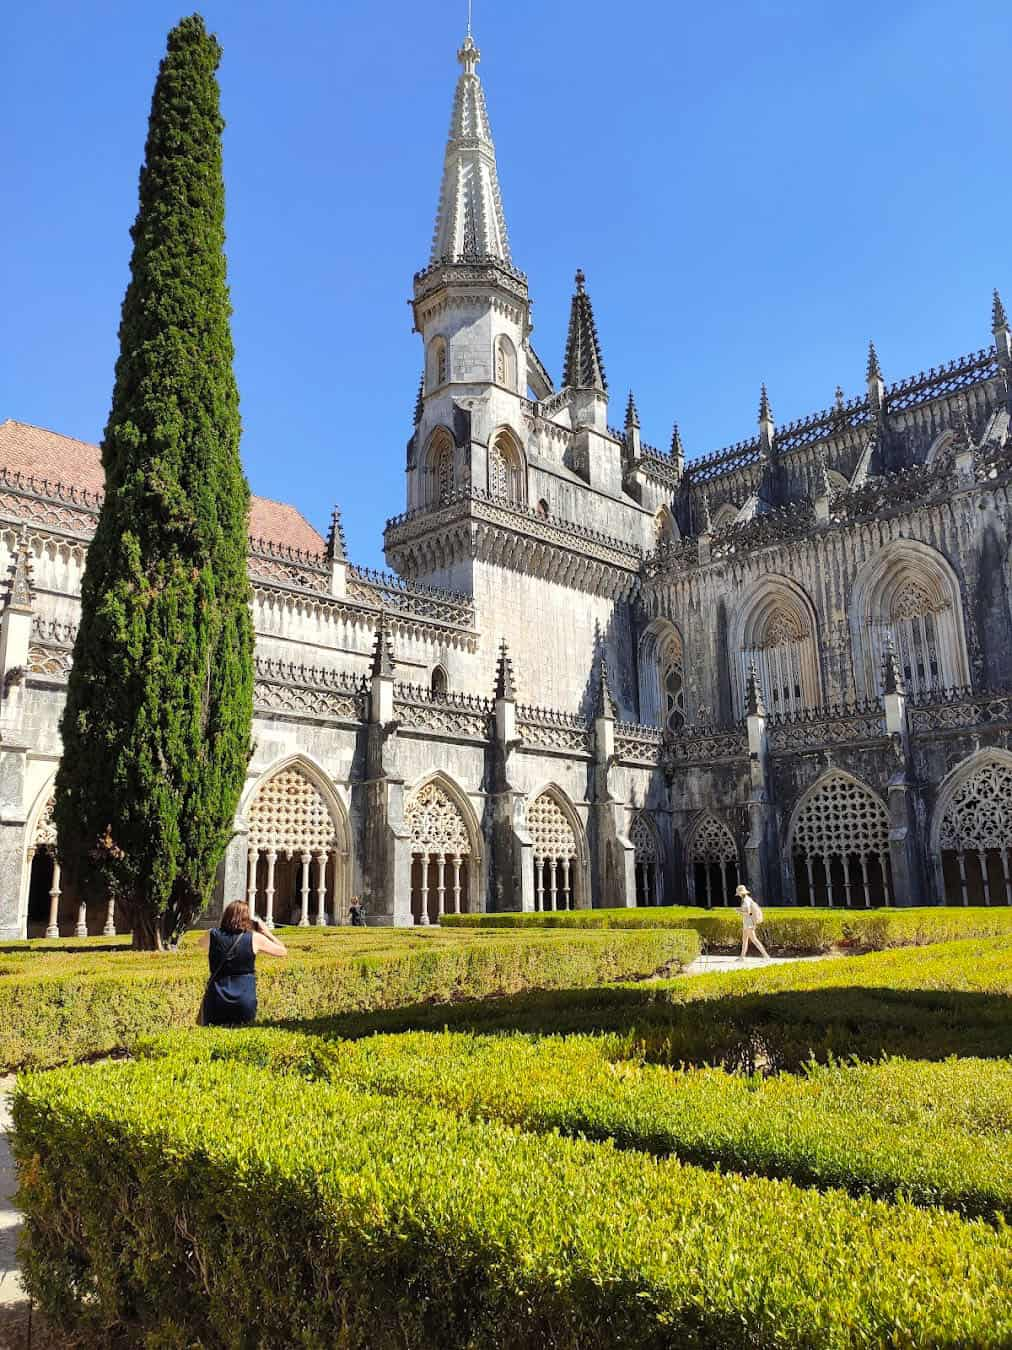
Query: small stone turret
{"points": [[767, 427], [632, 431], [876, 384], [337, 554], [1000, 329], [583, 368], [677, 451]]}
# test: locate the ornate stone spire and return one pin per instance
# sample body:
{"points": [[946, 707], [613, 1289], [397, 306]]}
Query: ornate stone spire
{"points": [[505, 690], [754, 703], [632, 417], [999, 319], [383, 652], [604, 706], [892, 678], [677, 448], [767, 427], [874, 370], [825, 486], [420, 400], [704, 508], [470, 223], [19, 589], [583, 367], [337, 548]]}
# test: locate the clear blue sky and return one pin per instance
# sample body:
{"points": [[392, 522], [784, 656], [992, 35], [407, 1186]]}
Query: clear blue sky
{"points": [[753, 189]]}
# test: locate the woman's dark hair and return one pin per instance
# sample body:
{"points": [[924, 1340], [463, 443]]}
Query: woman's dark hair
{"points": [[235, 918]]}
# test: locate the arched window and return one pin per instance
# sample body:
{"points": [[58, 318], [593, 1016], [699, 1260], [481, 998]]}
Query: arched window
{"points": [[438, 482], [908, 593], [664, 526], [712, 858], [557, 854], [437, 364], [774, 630], [506, 470], [974, 832], [298, 851], [662, 677], [724, 517], [505, 363], [442, 854], [439, 684], [647, 858], [839, 843]]}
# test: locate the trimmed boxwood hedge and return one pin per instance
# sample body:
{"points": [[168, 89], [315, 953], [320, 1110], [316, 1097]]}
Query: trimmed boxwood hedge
{"points": [[785, 929], [917, 1002], [217, 1204], [56, 1012], [940, 1134]]}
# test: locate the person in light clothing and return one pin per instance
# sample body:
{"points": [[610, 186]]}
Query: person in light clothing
{"points": [[751, 918]]}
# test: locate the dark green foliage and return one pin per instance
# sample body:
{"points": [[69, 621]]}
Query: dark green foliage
{"points": [[69, 1006], [156, 729]]}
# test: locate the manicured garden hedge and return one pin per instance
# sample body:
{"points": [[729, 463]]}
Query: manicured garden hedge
{"points": [[941, 1134], [784, 930], [917, 1002], [217, 1204], [57, 1012]]}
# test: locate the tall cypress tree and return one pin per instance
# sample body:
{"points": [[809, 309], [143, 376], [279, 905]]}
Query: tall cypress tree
{"points": [[156, 730]]}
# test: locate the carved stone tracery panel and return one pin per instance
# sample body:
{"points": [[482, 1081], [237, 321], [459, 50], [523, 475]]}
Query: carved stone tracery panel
{"points": [[550, 829], [841, 818], [436, 822], [712, 842], [979, 813], [289, 815]]}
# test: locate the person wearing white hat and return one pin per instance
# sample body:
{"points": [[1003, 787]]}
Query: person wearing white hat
{"points": [[751, 918]]}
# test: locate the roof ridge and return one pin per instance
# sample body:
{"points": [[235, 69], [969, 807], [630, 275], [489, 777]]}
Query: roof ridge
{"points": [[34, 426]]}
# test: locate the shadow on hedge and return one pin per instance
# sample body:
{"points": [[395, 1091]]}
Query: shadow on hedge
{"points": [[752, 1032]]}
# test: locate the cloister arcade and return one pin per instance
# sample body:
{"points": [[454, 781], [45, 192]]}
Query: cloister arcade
{"points": [[445, 850], [972, 834], [299, 849], [838, 840], [560, 853], [647, 858], [711, 863]]}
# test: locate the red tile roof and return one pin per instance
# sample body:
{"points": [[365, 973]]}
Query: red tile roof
{"points": [[62, 459]]}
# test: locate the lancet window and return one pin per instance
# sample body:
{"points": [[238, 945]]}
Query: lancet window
{"points": [[913, 623], [646, 854], [555, 854], [664, 526], [840, 846], [713, 863], [505, 363], [437, 364], [505, 470], [662, 677], [297, 853], [672, 673], [438, 483], [975, 837], [779, 658], [441, 855], [438, 683]]}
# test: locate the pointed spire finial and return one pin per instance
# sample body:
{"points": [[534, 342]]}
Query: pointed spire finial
{"points": [[469, 55], [19, 587], [632, 417], [892, 678], [677, 448], [383, 652], [874, 370], [705, 513], [582, 366], [755, 705], [838, 397], [765, 412], [825, 485], [605, 704], [420, 399], [337, 548], [581, 281], [999, 319], [505, 689]]}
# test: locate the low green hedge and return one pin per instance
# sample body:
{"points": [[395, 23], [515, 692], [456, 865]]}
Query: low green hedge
{"points": [[915, 1002], [216, 1204], [784, 929], [940, 1134], [52, 1016]]}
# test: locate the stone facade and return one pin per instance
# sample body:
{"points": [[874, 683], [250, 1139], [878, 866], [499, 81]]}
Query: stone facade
{"points": [[597, 674]]}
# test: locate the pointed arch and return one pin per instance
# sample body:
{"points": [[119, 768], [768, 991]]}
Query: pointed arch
{"points": [[774, 627], [437, 363], [507, 468], [838, 841], [661, 670], [665, 527], [713, 868], [447, 852], [299, 844], [725, 516], [908, 591], [438, 477], [559, 846], [439, 682], [647, 858], [971, 830], [505, 363]]}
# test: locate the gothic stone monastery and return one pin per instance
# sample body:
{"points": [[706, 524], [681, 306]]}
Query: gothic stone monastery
{"points": [[597, 674]]}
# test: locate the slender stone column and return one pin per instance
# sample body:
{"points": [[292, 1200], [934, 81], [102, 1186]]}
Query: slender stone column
{"points": [[552, 865], [321, 890], [306, 859], [539, 884], [53, 926], [110, 918], [272, 859], [567, 883], [423, 917], [456, 883], [82, 920], [440, 885], [251, 880]]}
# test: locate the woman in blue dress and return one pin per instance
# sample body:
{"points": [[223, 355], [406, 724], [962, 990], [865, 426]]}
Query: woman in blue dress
{"points": [[230, 999]]}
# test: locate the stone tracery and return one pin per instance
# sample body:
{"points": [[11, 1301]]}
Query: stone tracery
{"points": [[556, 854], [976, 828], [441, 854], [646, 859], [713, 862], [292, 835], [840, 845]]}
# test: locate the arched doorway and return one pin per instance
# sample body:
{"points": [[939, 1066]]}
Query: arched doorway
{"points": [[973, 832], [647, 860], [839, 844], [51, 911], [299, 849], [559, 853], [444, 851], [712, 863]]}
